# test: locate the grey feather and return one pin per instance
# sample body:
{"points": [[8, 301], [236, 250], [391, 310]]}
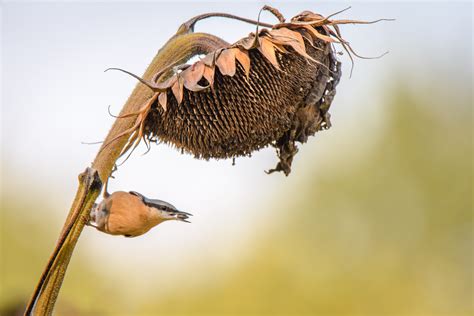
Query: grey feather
{"points": [[159, 204]]}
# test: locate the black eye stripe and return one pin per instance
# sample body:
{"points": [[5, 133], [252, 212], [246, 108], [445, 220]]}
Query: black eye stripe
{"points": [[166, 209]]}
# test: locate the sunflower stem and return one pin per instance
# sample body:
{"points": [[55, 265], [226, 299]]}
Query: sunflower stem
{"points": [[178, 49]]}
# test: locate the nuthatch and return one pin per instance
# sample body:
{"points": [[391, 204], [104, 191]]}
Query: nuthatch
{"points": [[131, 214]]}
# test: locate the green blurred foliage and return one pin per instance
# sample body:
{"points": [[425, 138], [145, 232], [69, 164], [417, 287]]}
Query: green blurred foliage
{"points": [[388, 232], [25, 234]]}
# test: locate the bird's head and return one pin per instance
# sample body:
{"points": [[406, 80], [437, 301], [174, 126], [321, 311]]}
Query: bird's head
{"points": [[166, 211]]}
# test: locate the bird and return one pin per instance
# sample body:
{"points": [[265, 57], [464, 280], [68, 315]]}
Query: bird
{"points": [[131, 214]]}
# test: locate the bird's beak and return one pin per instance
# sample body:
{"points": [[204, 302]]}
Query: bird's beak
{"points": [[175, 215]]}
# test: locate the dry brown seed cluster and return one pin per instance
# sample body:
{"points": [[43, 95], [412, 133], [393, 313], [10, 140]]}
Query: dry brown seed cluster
{"points": [[270, 88]]}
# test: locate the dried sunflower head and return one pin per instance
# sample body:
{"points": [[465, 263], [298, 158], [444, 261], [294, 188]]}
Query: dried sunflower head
{"points": [[273, 87]]}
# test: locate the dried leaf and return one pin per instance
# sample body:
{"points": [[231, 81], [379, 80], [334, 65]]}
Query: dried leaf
{"points": [[318, 35], [307, 37], [177, 88], [226, 62], [284, 34], [246, 43], [192, 75], [163, 100], [267, 48], [210, 59], [292, 39], [209, 75], [137, 128], [243, 57]]}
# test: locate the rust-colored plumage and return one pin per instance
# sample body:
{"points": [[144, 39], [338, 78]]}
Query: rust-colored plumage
{"points": [[274, 87], [131, 214]]}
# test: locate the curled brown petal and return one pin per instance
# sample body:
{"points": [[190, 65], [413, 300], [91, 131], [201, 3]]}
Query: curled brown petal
{"points": [[177, 89], [192, 75], [318, 35], [163, 100], [243, 57], [267, 48], [226, 62], [296, 43], [285, 34], [208, 74], [210, 59]]}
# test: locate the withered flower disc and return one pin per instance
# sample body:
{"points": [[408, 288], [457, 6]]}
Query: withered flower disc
{"points": [[274, 88]]}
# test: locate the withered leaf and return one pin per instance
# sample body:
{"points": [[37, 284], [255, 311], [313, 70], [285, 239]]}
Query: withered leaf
{"points": [[267, 48], [226, 62], [163, 100], [210, 59], [192, 75], [284, 34], [208, 74], [246, 43], [177, 88], [318, 35], [291, 38], [243, 57], [307, 37]]}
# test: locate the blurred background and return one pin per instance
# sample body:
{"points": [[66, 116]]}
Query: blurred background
{"points": [[375, 218]]}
